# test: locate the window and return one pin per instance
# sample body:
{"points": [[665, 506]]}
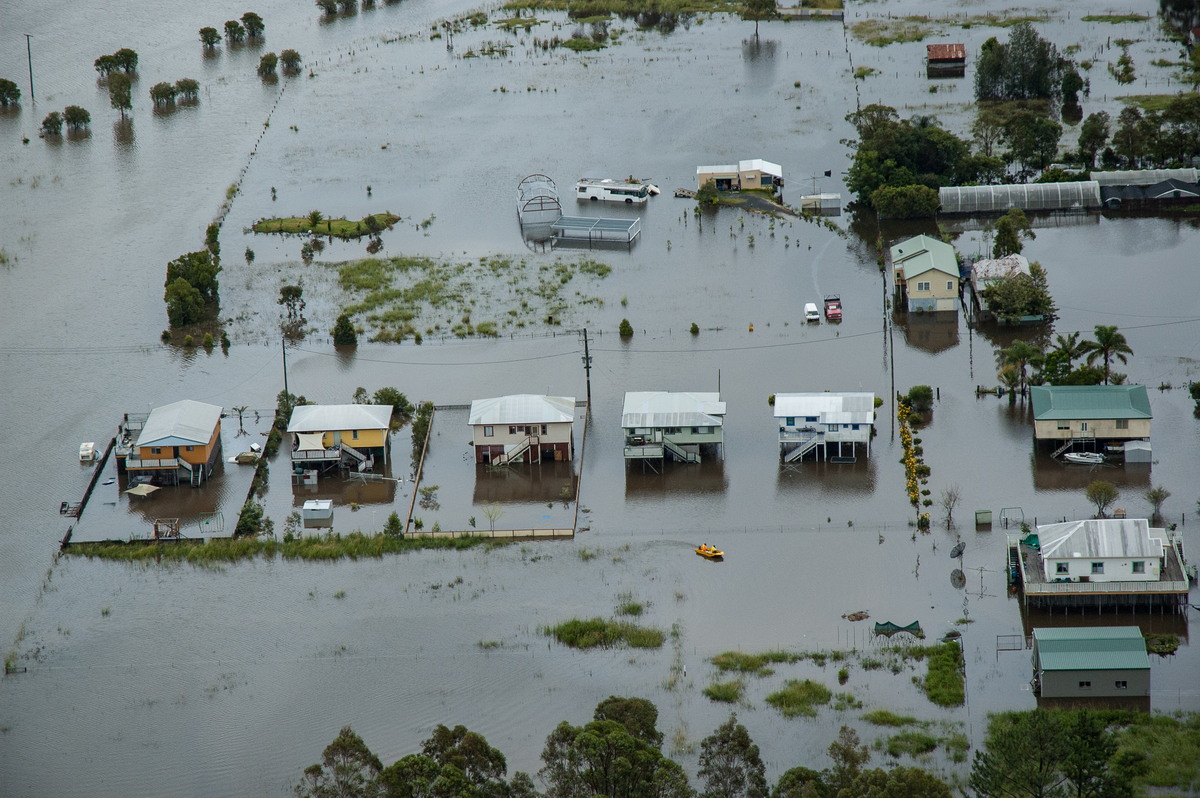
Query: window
{"points": [[1064, 424], [512, 430], [354, 434], [923, 285], [1083, 426], [1121, 684], [1122, 423], [1097, 567], [488, 431], [812, 418], [1085, 685], [1062, 568], [791, 421], [1139, 566], [543, 429], [949, 285], [155, 450], [765, 181], [188, 448], [854, 426], [701, 430]]}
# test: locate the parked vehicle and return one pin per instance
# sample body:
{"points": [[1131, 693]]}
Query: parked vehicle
{"points": [[833, 307], [591, 188], [811, 313]]}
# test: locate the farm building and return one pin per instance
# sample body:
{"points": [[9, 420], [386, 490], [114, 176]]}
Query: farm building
{"points": [[753, 173], [1080, 194], [1097, 662]]}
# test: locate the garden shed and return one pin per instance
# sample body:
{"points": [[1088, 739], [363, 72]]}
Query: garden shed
{"points": [[1029, 197]]}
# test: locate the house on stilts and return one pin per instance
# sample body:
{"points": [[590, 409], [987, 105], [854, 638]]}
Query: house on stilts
{"points": [[522, 428], [683, 426], [810, 422], [343, 437]]}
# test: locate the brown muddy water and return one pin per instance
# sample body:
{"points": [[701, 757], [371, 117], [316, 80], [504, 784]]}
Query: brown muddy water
{"points": [[174, 680]]}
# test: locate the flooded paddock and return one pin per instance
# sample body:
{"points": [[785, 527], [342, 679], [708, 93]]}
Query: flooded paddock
{"points": [[176, 680]]}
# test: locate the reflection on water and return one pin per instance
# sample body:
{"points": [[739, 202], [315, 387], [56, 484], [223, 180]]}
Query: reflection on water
{"points": [[1131, 478], [676, 479], [840, 479], [930, 332], [524, 482]]}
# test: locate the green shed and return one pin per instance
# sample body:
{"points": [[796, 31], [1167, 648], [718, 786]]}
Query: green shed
{"points": [[1098, 661]]}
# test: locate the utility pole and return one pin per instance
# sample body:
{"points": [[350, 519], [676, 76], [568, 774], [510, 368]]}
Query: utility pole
{"points": [[283, 342], [587, 368], [29, 55]]}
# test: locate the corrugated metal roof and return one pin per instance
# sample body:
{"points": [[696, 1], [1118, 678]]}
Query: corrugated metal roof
{"points": [[1072, 402], [523, 408], [1099, 537], [758, 164], [1091, 648], [983, 271], [945, 52], [323, 418], [657, 409], [920, 254], [182, 423], [832, 408]]}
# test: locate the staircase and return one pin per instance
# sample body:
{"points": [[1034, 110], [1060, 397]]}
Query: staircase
{"points": [[195, 473], [1063, 448], [514, 451], [806, 446], [355, 453], [681, 454]]}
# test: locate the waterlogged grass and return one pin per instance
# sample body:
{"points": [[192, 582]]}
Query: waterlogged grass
{"points": [[625, 8], [1157, 102], [353, 546], [726, 692], [1115, 19], [601, 633], [912, 743], [882, 32], [957, 745], [406, 297], [883, 717], [756, 664], [1171, 746], [800, 698], [338, 228], [634, 608], [943, 682]]}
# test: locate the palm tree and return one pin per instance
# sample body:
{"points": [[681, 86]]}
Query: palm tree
{"points": [[1109, 345], [1021, 355], [1070, 346]]}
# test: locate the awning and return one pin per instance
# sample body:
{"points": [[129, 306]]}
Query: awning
{"points": [[142, 490], [307, 441]]}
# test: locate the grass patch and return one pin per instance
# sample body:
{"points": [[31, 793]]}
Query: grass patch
{"points": [[725, 692], [756, 664], [800, 698], [489, 645], [864, 72], [353, 546], [1171, 746], [957, 745], [1156, 102], [633, 608], [601, 633], [1162, 644], [845, 701], [578, 9], [883, 717], [882, 32], [513, 23], [338, 228], [827, 5], [943, 683], [1115, 19], [580, 44], [912, 743]]}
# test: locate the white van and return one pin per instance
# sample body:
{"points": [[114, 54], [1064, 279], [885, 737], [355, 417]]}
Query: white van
{"points": [[810, 312]]}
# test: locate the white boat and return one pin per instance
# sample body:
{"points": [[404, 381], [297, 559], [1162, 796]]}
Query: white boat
{"points": [[87, 452], [1087, 458]]}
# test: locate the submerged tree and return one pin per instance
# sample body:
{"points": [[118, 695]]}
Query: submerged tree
{"points": [[120, 92], [1010, 229], [234, 32], [52, 125], [343, 331], [758, 10], [267, 64], [253, 24], [210, 37], [163, 94], [1109, 345], [1102, 494], [10, 93], [76, 117], [187, 88], [290, 60]]}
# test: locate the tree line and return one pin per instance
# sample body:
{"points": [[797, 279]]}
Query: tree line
{"points": [[618, 754]]}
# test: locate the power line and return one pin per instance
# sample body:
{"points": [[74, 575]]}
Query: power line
{"points": [[741, 348], [454, 363]]}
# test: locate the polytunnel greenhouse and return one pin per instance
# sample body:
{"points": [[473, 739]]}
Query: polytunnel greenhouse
{"points": [[1027, 197]]}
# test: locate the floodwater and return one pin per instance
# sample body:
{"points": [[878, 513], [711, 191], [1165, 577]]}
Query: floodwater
{"points": [[227, 681]]}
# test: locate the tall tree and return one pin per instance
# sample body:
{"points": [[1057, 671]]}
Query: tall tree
{"points": [[1021, 757], [52, 125], [1032, 138], [1070, 345], [848, 755], [199, 269], [1010, 229], [1129, 139], [637, 715], [468, 752], [757, 10], [730, 763], [10, 94], [1027, 67], [1109, 345], [126, 59], [348, 769], [76, 117], [290, 60], [120, 92], [603, 758], [209, 37], [163, 93], [253, 24], [187, 88], [234, 32], [1093, 135], [900, 782]]}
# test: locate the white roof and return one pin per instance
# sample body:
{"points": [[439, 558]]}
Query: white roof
{"points": [[672, 409], [523, 408], [987, 270], [832, 408], [320, 418], [1099, 537], [743, 166], [762, 166], [183, 423]]}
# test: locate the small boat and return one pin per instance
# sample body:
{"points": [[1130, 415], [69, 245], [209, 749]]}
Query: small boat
{"points": [[87, 452], [709, 552], [1086, 458]]}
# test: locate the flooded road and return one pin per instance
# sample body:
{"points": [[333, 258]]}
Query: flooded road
{"points": [[180, 681]]}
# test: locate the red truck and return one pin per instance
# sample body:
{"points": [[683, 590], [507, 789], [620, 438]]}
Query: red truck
{"points": [[833, 308]]}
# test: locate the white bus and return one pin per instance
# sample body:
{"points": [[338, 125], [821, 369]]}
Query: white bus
{"points": [[592, 188]]}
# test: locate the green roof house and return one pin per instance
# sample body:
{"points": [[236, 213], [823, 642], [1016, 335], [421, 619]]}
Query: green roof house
{"points": [[926, 274], [1091, 662], [1066, 413]]}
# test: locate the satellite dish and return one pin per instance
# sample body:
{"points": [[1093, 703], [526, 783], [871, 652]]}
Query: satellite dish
{"points": [[958, 579]]}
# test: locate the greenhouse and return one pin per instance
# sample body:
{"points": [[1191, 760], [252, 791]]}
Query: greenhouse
{"points": [[1145, 177], [1027, 197]]}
